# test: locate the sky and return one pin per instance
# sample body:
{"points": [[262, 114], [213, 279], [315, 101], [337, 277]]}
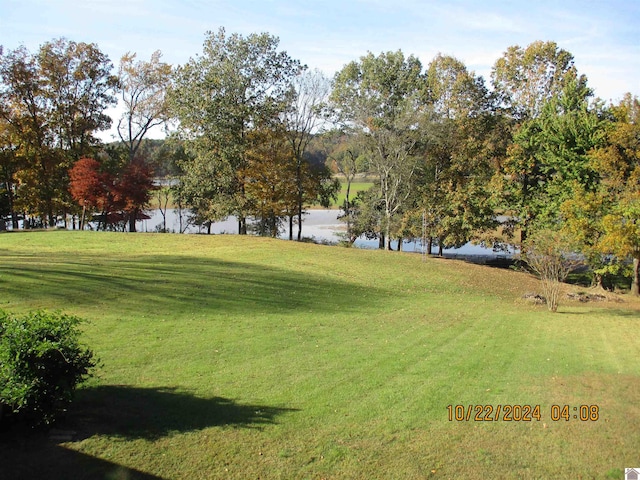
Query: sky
{"points": [[603, 36]]}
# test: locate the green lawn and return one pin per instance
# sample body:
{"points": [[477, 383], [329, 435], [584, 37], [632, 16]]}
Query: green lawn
{"points": [[231, 357], [355, 188]]}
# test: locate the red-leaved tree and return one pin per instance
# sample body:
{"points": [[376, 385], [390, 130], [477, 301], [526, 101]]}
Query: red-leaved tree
{"points": [[90, 187], [132, 191], [118, 197]]}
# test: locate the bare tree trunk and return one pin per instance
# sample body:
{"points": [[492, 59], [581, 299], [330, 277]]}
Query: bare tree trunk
{"points": [[84, 211], [635, 282], [52, 219], [347, 210], [132, 220], [14, 214], [163, 204], [387, 230]]}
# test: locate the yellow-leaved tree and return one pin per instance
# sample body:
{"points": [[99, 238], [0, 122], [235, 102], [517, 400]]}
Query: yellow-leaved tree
{"points": [[622, 234], [619, 165]]}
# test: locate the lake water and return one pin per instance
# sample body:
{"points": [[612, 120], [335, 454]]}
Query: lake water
{"points": [[321, 225]]}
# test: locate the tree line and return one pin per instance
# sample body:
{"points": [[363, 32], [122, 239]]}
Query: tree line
{"points": [[455, 158]]}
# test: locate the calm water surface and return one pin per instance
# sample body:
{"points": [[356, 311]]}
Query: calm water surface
{"points": [[322, 225]]}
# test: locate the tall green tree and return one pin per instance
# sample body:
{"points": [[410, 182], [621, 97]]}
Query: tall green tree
{"points": [[548, 162], [382, 98], [237, 84], [455, 183]]}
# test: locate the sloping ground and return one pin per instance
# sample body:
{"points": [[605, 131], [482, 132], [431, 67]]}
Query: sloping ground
{"points": [[231, 357]]}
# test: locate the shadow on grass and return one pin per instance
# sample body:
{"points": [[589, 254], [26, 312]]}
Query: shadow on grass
{"points": [[162, 284], [123, 412], [152, 413], [40, 458]]}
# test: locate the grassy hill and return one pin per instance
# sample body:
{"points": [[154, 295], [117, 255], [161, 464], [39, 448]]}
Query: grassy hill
{"points": [[231, 357]]}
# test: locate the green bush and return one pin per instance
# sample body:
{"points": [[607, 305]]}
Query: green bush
{"points": [[41, 363]]}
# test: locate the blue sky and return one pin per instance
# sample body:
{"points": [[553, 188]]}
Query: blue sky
{"points": [[603, 36]]}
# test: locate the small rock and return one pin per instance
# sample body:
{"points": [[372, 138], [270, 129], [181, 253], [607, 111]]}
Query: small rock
{"points": [[534, 298]]}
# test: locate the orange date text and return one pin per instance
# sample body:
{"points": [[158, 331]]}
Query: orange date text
{"points": [[493, 413]]}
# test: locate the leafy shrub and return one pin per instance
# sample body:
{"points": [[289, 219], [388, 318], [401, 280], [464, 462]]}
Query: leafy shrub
{"points": [[41, 363]]}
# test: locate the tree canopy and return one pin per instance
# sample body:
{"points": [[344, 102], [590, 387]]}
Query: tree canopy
{"points": [[382, 98], [51, 103], [238, 84]]}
